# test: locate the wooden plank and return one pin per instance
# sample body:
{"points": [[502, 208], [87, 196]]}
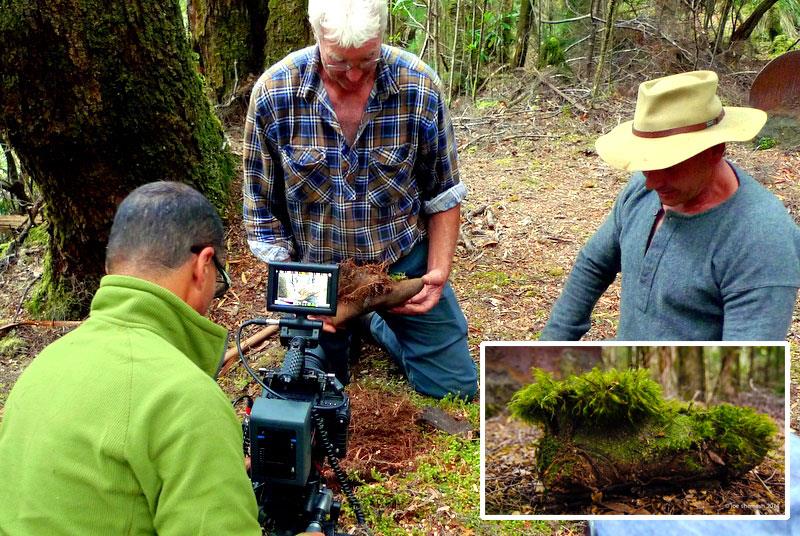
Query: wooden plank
{"points": [[12, 222]]}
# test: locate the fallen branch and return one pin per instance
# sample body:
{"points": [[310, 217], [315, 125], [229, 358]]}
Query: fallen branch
{"points": [[559, 92], [6, 325], [233, 353]]}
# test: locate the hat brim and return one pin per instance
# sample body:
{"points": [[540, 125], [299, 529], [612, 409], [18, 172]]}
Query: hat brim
{"points": [[621, 149]]}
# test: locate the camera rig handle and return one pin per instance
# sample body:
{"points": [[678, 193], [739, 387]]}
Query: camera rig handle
{"points": [[293, 362]]}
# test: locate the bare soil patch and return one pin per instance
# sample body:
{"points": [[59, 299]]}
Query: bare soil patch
{"points": [[384, 433]]}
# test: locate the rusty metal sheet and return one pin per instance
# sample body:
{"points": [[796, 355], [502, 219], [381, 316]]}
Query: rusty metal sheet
{"points": [[776, 89]]}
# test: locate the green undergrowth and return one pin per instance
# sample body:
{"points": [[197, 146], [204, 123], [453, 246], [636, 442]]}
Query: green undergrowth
{"points": [[442, 490], [11, 345]]}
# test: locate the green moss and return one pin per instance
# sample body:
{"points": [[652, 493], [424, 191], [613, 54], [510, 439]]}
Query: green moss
{"points": [[491, 278], [57, 299], [596, 398], [741, 432], [38, 236], [11, 345]]}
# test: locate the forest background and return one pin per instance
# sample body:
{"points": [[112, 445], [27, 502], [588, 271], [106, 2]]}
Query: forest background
{"points": [[99, 97]]}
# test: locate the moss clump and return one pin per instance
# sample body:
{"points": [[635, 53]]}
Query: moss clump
{"points": [[614, 428], [594, 399], [11, 345]]}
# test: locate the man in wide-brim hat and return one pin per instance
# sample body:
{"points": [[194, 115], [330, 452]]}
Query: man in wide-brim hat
{"points": [[706, 252]]}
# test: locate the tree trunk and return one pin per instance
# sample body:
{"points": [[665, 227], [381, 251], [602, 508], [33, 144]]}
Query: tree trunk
{"points": [[726, 387], [523, 32], [287, 29], [723, 20], [592, 38], [666, 362], [98, 98], [229, 37], [453, 52], [691, 374], [479, 51], [605, 49]]}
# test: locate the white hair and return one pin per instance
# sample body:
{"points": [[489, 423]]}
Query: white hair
{"points": [[348, 23]]}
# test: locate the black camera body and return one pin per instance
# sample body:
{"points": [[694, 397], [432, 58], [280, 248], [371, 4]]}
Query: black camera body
{"points": [[303, 414]]}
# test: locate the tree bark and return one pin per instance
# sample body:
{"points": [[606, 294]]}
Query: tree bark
{"points": [[523, 32], [691, 374], [98, 98], [287, 29], [229, 37], [605, 51]]}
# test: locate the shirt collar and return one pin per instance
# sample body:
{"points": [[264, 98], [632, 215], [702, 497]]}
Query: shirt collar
{"points": [[311, 82]]}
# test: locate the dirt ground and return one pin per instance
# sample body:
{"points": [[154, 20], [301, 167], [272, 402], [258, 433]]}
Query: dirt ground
{"points": [[537, 192]]}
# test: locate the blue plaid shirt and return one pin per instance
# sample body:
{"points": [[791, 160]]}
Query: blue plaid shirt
{"points": [[310, 196]]}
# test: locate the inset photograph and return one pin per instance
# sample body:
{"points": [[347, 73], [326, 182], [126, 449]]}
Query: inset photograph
{"points": [[633, 430]]}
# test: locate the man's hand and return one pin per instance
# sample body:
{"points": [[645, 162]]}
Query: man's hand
{"points": [[427, 298], [327, 324]]}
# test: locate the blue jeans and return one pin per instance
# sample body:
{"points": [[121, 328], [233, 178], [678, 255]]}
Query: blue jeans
{"points": [[431, 348], [704, 527]]}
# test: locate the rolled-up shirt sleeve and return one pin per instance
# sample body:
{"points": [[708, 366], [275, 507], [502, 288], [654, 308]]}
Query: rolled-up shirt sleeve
{"points": [[262, 187], [444, 190]]}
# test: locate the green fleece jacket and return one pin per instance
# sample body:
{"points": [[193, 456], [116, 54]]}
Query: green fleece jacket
{"points": [[119, 427]]}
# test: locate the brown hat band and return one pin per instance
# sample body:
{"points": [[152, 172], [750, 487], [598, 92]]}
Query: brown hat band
{"points": [[679, 130]]}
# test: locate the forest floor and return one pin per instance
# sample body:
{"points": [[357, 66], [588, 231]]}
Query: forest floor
{"points": [[537, 192]]}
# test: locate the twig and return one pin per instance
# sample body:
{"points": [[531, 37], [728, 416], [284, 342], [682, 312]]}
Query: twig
{"points": [[23, 234], [573, 19], [232, 96], [477, 212], [463, 238], [6, 326], [537, 136], [25, 295]]}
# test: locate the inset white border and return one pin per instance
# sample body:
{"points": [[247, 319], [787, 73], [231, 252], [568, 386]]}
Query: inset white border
{"points": [[787, 430]]}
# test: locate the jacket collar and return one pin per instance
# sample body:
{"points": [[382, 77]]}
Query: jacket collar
{"points": [[135, 302]]}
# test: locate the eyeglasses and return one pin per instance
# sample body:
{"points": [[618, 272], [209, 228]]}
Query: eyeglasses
{"points": [[223, 282], [343, 67]]}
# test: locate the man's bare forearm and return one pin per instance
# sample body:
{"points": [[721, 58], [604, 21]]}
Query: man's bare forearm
{"points": [[443, 230]]}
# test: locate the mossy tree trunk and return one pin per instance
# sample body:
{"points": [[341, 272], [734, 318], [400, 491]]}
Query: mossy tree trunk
{"points": [[287, 29], [229, 37], [97, 98], [248, 34]]}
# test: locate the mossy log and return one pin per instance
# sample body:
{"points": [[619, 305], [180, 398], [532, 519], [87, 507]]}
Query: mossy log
{"points": [[613, 429]]}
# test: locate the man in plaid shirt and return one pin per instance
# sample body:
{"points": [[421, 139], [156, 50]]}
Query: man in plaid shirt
{"points": [[349, 152]]}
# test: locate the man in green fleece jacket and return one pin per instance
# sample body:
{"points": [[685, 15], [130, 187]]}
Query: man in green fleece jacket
{"points": [[119, 427]]}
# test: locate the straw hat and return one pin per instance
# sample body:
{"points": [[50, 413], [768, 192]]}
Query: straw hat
{"points": [[676, 118]]}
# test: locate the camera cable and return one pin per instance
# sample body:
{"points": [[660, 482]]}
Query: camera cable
{"points": [[252, 322], [337, 469]]}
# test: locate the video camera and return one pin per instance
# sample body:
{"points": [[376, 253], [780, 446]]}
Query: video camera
{"points": [[303, 413]]}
